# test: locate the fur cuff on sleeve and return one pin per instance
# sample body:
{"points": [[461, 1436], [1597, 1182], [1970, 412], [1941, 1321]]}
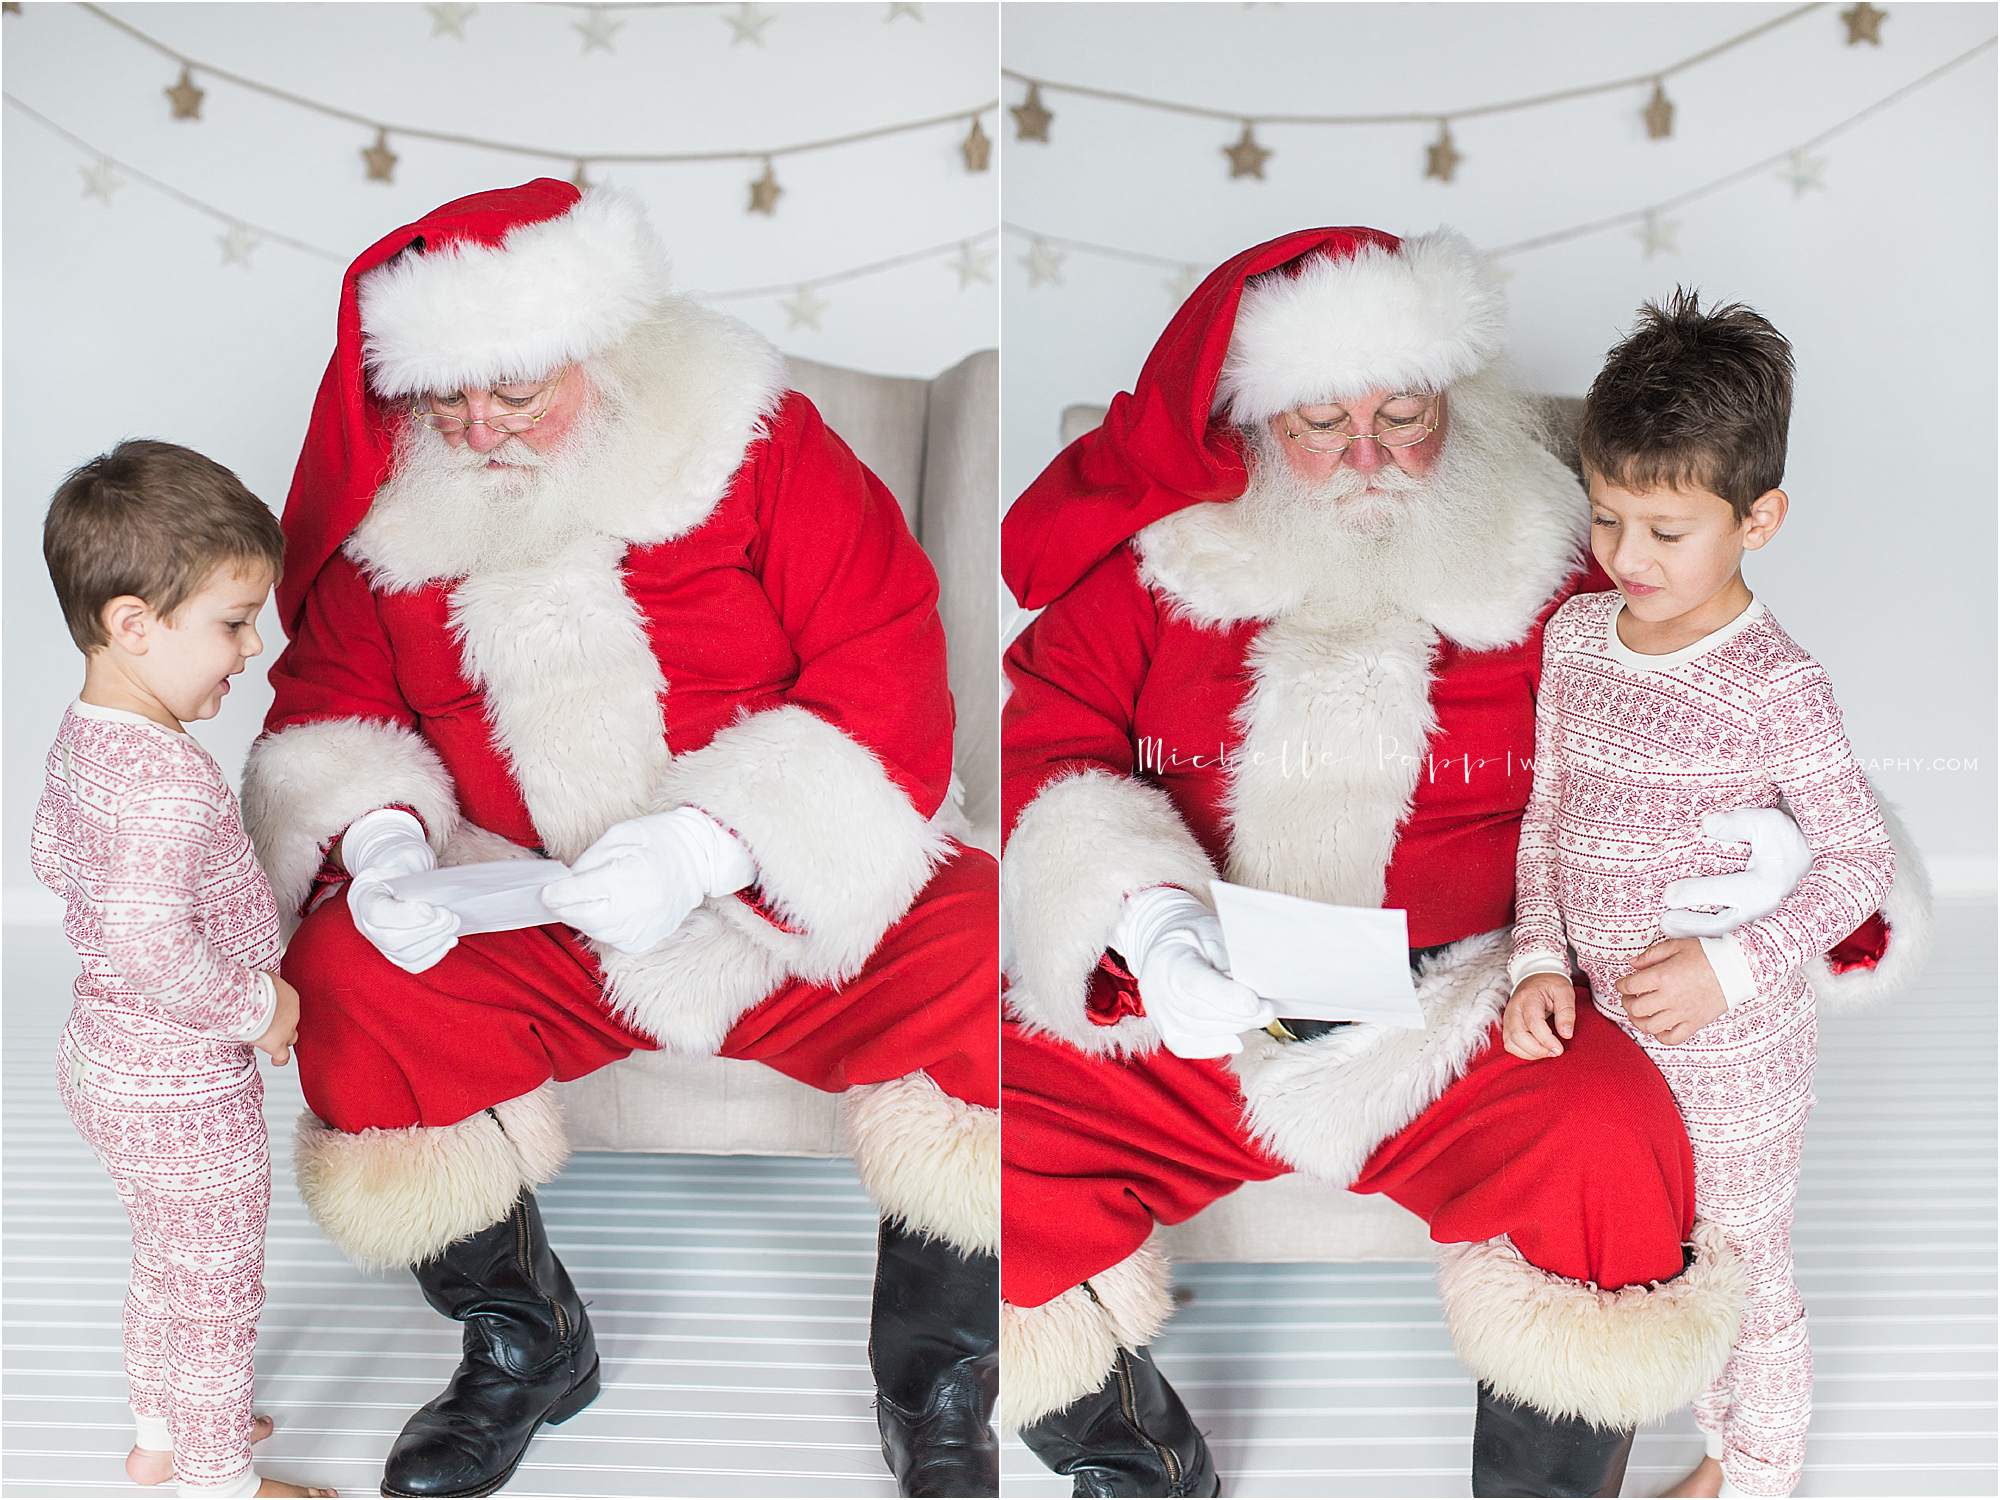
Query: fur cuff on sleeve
{"points": [[1889, 953], [304, 784], [841, 852], [1077, 848]]}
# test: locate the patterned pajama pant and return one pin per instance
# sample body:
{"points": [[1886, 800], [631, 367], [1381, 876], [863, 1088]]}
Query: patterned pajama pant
{"points": [[1744, 1087], [178, 1122]]}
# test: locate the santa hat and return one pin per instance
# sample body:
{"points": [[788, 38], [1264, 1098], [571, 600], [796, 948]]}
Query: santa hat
{"points": [[1383, 317], [502, 285], [1307, 316]]}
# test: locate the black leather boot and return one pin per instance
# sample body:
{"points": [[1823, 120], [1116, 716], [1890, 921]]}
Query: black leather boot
{"points": [[529, 1359], [1517, 1450], [1132, 1436], [932, 1345]]}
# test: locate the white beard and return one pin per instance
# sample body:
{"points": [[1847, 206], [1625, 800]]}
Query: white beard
{"points": [[489, 519], [1473, 548], [671, 413]]}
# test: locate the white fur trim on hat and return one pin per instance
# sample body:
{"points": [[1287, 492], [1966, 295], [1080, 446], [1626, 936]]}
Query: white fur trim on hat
{"points": [[553, 292], [1425, 316]]}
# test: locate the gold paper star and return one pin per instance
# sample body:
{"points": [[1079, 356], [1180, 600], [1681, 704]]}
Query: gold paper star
{"points": [[804, 310], [186, 97], [973, 264], [1441, 157], [976, 148], [764, 191], [1864, 23], [1031, 120], [1246, 157], [578, 179], [11, 7], [381, 160], [1659, 114]]}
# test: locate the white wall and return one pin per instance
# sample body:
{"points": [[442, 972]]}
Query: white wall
{"points": [[1885, 281], [121, 321]]}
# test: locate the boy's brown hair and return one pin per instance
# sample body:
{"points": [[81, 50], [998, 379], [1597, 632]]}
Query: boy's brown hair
{"points": [[154, 520], [1692, 400]]}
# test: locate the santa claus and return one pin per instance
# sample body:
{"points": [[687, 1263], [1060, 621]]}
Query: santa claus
{"points": [[1293, 590], [571, 573]]}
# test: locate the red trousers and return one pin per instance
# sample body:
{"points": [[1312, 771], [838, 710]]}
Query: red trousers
{"points": [[505, 1012], [1581, 1159]]}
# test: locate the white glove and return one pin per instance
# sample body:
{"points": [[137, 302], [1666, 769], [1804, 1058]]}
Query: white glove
{"points": [[378, 846], [1173, 946], [638, 882], [1779, 859]]}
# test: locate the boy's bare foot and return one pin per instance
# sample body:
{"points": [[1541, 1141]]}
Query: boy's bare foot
{"points": [[156, 1465], [279, 1487], [1705, 1480], [149, 1465]]}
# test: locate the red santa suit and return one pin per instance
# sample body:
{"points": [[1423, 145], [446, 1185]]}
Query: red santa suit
{"points": [[1196, 702], [731, 614]]}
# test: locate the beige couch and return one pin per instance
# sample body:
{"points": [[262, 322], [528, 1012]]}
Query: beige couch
{"points": [[935, 444]]}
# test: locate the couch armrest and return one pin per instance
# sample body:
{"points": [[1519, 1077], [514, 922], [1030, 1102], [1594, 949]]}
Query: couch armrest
{"points": [[957, 522]]}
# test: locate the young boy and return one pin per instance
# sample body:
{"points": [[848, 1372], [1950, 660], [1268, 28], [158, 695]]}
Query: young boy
{"points": [[1670, 698], [162, 561]]}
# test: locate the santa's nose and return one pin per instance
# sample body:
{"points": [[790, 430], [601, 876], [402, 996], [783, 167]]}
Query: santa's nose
{"points": [[483, 439], [1364, 455]]}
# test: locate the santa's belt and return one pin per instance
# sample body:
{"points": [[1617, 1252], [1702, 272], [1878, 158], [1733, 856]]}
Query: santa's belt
{"points": [[1305, 1031]]}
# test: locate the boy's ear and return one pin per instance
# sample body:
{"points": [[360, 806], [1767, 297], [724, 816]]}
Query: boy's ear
{"points": [[128, 621], [1767, 514]]}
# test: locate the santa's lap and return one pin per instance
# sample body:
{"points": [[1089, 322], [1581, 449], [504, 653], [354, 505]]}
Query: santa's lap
{"points": [[1581, 1160], [505, 1012]]}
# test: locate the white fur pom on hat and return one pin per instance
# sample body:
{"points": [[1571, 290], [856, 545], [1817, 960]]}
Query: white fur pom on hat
{"points": [[465, 314], [1424, 316]]}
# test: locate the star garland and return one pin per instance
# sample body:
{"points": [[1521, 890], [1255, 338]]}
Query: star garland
{"points": [[970, 259], [1652, 225], [597, 27], [1247, 156]]}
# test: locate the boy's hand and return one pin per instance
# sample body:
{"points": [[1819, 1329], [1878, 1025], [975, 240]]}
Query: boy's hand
{"points": [[284, 1028], [1672, 991], [1540, 1017]]}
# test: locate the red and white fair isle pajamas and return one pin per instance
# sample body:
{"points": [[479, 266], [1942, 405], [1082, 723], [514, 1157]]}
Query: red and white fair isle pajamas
{"points": [[1630, 752], [174, 923]]}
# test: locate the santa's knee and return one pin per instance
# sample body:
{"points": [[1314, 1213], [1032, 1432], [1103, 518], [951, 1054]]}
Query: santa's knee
{"points": [[958, 912], [1602, 1184], [356, 1010], [1628, 1146], [328, 956], [948, 963]]}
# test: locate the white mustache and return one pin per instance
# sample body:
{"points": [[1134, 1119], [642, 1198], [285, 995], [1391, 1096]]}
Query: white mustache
{"points": [[510, 455]]}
